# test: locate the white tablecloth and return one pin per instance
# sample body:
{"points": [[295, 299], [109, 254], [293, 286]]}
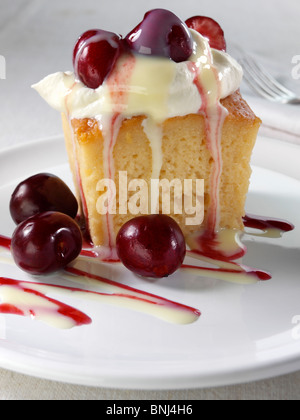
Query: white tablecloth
{"points": [[36, 38]]}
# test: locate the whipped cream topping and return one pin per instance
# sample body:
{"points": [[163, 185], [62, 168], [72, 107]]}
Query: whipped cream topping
{"points": [[158, 88], [153, 86]]}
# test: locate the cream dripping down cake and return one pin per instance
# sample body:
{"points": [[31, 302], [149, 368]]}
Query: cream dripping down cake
{"points": [[163, 103]]}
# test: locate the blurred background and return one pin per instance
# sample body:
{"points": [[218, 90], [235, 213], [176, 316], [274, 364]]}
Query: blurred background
{"points": [[37, 38]]}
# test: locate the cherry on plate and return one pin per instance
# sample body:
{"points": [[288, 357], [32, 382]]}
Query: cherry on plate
{"points": [[46, 243], [210, 29], [95, 55], [40, 193], [163, 34], [151, 246]]}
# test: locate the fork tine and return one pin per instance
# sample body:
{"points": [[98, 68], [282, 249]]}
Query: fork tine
{"points": [[262, 81], [257, 77], [257, 84], [266, 77], [264, 84]]}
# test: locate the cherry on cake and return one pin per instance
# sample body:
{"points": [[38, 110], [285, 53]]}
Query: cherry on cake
{"points": [[161, 103]]}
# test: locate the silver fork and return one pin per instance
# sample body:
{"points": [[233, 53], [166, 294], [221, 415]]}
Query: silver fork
{"points": [[259, 79]]}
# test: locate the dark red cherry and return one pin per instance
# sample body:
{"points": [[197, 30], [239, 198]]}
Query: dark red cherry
{"points": [[40, 193], [46, 243], [210, 29], [81, 42], [95, 55], [163, 34], [151, 246]]}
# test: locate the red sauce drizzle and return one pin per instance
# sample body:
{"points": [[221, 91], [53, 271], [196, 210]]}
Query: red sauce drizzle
{"points": [[5, 242], [208, 247], [263, 223], [77, 316], [158, 300], [259, 274]]}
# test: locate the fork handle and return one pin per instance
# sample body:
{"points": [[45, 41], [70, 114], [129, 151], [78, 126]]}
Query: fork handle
{"points": [[295, 101]]}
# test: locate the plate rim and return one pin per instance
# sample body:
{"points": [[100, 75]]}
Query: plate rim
{"points": [[192, 379], [241, 374]]}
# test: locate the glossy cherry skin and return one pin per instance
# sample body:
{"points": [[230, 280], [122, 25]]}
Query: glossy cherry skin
{"points": [[40, 193], [210, 29], [151, 246], [46, 243], [95, 55], [163, 34]]}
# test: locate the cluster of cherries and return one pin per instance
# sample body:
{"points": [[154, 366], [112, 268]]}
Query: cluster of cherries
{"points": [[161, 34], [48, 237]]}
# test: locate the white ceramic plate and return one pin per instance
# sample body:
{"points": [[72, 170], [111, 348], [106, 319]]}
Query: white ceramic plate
{"points": [[245, 333]]}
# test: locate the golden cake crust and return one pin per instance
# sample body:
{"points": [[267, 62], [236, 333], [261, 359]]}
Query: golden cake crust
{"points": [[185, 156]]}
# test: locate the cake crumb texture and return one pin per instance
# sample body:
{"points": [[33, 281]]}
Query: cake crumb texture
{"points": [[185, 156]]}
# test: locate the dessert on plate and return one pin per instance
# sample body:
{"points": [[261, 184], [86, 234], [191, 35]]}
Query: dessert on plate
{"points": [[141, 115], [163, 103]]}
